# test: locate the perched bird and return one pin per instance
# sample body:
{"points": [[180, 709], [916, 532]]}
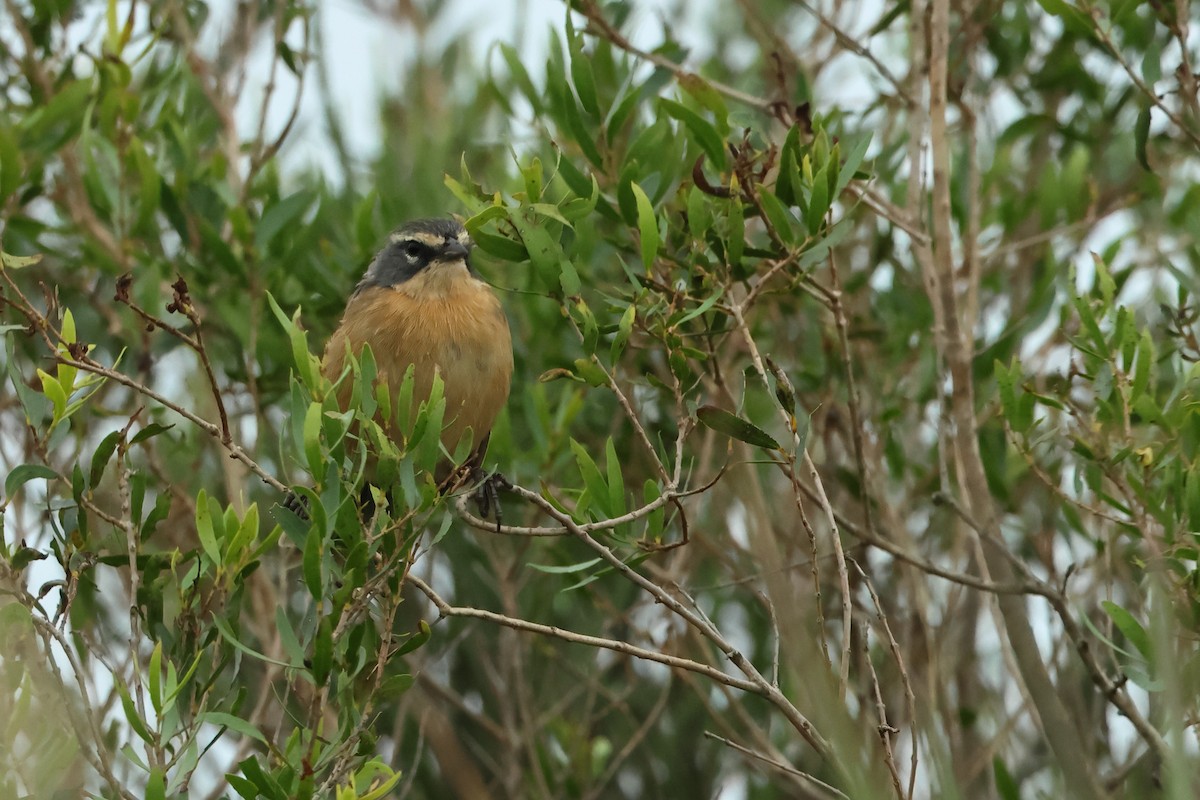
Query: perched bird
{"points": [[422, 304]]}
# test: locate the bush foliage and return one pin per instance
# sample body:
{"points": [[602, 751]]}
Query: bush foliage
{"points": [[853, 432]]}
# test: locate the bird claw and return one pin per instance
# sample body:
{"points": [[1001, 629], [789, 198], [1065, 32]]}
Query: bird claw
{"points": [[487, 493], [297, 504]]}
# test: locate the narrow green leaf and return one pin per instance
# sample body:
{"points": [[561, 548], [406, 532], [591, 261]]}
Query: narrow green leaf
{"points": [[417, 640], [242, 786], [393, 687], [279, 216], [312, 439], [1191, 491], [9, 261], [235, 724], [818, 202], [851, 163], [521, 77], [584, 80], [735, 427], [1130, 627], [593, 480], [131, 715], [148, 432], [616, 480], [23, 474], [590, 372], [544, 252], [155, 678], [156, 785], [1141, 135], [205, 529], [568, 278], [223, 627], [322, 659], [624, 330], [384, 788], [1006, 785], [313, 546], [647, 226], [567, 569], [702, 130], [287, 636], [100, 458], [778, 216]]}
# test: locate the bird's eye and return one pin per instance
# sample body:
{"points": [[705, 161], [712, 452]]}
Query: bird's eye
{"points": [[411, 250]]}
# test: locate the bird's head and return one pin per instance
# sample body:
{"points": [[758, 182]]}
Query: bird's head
{"points": [[423, 254]]}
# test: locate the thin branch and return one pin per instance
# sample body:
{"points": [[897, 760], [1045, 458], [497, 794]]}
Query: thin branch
{"points": [[616, 645], [814, 783], [764, 687]]}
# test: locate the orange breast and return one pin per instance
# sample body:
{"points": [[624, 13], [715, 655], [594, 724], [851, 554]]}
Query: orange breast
{"points": [[459, 331]]}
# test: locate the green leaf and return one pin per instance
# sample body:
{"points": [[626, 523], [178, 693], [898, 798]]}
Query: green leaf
{"points": [[521, 77], [312, 438], [279, 216], [616, 480], [287, 636], [322, 659], [705, 134], [1129, 627], [205, 529], [818, 202], [778, 216], [393, 687], [593, 480], [12, 166], [568, 278], [306, 363], [1006, 785], [150, 431], [55, 394], [850, 164], [131, 714], [544, 252], [9, 261], [155, 681], [223, 628], [567, 569], [417, 640], [735, 427], [384, 788], [1141, 135], [590, 372], [1191, 491], [156, 785], [23, 474], [584, 80], [647, 226], [235, 724], [100, 458], [1145, 362], [242, 786], [313, 546], [624, 330]]}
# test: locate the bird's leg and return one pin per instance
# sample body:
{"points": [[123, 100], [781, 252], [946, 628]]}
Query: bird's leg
{"points": [[487, 492]]}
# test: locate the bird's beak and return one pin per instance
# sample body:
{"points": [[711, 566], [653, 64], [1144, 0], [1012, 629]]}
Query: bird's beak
{"points": [[454, 251]]}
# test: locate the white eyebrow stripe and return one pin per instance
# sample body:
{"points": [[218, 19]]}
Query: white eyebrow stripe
{"points": [[428, 239]]}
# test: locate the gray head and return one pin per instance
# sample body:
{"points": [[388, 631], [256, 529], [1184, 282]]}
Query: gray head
{"points": [[418, 246]]}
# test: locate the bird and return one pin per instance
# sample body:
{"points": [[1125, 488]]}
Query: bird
{"points": [[422, 304]]}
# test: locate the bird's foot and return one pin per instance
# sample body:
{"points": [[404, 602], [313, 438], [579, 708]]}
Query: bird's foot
{"points": [[297, 504], [487, 493]]}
